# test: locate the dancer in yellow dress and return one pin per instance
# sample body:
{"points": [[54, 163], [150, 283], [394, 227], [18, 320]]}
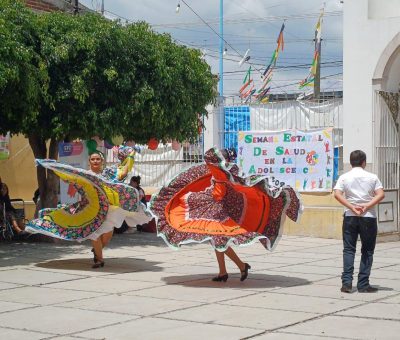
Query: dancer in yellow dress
{"points": [[103, 205]]}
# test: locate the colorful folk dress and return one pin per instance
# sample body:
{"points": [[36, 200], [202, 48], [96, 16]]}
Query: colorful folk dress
{"points": [[103, 205], [210, 202], [116, 173]]}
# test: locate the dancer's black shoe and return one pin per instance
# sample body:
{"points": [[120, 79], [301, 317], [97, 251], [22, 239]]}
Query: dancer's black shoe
{"points": [[98, 264], [244, 273], [220, 278], [94, 256]]}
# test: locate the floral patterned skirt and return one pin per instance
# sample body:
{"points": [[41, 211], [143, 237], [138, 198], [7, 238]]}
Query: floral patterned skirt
{"points": [[103, 205], [210, 203]]}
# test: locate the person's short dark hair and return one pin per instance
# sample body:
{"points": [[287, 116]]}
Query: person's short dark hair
{"points": [[135, 179], [357, 158]]}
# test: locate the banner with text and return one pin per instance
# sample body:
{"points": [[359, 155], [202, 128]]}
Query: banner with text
{"points": [[75, 154], [4, 146], [301, 159]]}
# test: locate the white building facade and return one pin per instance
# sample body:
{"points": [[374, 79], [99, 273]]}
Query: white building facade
{"points": [[371, 83]]}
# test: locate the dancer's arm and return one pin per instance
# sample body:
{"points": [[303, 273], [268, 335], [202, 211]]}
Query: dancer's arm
{"points": [[126, 166]]}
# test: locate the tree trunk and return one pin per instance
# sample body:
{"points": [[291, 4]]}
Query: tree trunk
{"points": [[47, 181], [53, 182]]}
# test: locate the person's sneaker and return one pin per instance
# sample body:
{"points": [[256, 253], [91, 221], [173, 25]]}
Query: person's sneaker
{"points": [[346, 289], [368, 289]]}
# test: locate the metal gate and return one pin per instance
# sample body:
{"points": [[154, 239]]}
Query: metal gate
{"points": [[386, 158], [386, 139]]}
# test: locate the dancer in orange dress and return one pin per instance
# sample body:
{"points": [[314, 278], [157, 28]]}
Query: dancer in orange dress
{"points": [[211, 202]]}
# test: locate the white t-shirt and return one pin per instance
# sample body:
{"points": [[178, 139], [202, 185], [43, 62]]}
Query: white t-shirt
{"points": [[359, 186]]}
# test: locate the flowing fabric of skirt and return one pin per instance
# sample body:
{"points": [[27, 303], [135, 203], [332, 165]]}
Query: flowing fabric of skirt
{"points": [[103, 205], [211, 202]]}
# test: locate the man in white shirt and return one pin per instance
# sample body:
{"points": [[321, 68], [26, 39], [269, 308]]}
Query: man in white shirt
{"points": [[359, 191]]}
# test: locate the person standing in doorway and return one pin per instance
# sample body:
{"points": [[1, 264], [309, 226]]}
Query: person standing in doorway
{"points": [[359, 192]]}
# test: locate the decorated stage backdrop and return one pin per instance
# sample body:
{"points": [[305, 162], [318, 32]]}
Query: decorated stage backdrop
{"points": [[302, 159]]}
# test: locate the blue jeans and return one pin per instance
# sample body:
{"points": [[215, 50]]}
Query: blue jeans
{"points": [[367, 228]]}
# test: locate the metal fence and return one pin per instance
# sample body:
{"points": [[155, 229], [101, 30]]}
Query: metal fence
{"points": [[158, 166], [386, 138]]}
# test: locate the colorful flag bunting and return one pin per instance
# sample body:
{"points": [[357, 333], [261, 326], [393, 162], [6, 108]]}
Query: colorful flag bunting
{"points": [[247, 91], [245, 85], [267, 74], [267, 69], [245, 58], [280, 41], [309, 80], [248, 75]]}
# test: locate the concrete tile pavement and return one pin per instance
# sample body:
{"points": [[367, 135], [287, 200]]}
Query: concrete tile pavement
{"points": [[148, 291], [333, 326]]}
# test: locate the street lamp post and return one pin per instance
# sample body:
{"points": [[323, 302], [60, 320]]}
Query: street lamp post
{"points": [[221, 48], [221, 116], [221, 75]]}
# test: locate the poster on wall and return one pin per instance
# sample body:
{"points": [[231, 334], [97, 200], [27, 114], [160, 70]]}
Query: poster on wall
{"points": [[301, 159], [75, 154], [4, 146]]}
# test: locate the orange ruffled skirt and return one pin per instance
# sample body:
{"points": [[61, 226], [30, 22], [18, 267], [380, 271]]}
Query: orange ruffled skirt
{"points": [[210, 202]]}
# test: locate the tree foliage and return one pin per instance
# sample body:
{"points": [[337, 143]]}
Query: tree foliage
{"points": [[20, 77], [66, 77]]}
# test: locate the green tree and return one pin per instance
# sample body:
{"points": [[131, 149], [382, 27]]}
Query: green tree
{"points": [[171, 86], [91, 76], [20, 76]]}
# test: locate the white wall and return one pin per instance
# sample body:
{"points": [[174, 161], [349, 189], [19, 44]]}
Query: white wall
{"points": [[393, 79], [390, 9], [367, 32], [212, 128]]}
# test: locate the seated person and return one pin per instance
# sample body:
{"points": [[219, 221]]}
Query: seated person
{"points": [[147, 227], [36, 200], [135, 182], [9, 209]]}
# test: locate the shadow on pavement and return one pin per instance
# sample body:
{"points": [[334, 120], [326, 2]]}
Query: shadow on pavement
{"points": [[388, 289], [112, 265], [38, 248], [136, 239], [21, 253], [253, 281]]}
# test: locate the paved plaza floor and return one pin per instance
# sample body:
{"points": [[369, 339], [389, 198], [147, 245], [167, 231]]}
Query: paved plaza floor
{"points": [[149, 291]]}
